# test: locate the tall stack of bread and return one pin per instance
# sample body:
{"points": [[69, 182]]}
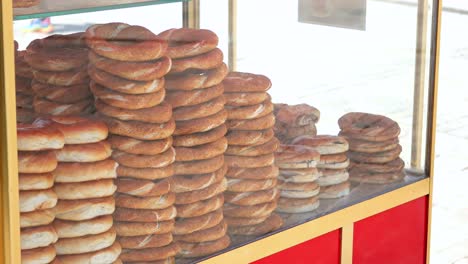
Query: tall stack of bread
{"points": [[332, 165], [374, 148], [196, 93], [127, 68], [61, 82], [24, 93], [252, 193], [295, 120], [36, 162], [84, 184], [298, 177]]}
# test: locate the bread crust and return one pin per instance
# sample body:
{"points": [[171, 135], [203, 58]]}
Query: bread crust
{"points": [[369, 127], [245, 98], [157, 114], [145, 161], [146, 241], [69, 229], [251, 198], [37, 218], [107, 255], [199, 125], [201, 110], [200, 152], [260, 123], [246, 185], [85, 171], [254, 211], [378, 157], [186, 183], [324, 144], [201, 138], [192, 250], [205, 61], [154, 203], [186, 42], [36, 161], [253, 151], [246, 82], [204, 235], [199, 166], [200, 207], [36, 237], [201, 194], [131, 229], [249, 138], [136, 146], [90, 152], [62, 94], [196, 79], [85, 190], [297, 205], [150, 254], [37, 200], [268, 172], [85, 244], [250, 112], [250, 162], [146, 173], [335, 191], [270, 224], [78, 210], [62, 78], [194, 97], [332, 177], [144, 215], [35, 181], [143, 188], [185, 226], [38, 255]]}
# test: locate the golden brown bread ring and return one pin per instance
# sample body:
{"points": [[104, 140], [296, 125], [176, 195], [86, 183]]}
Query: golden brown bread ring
{"points": [[273, 222], [78, 210], [127, 101], [157, 114], [146, 241], [122, 85], [332, 177], [248, 138], [84, 244], [125, 229], [107, 255], [378, 157], [145, 161], [363, 146], [333, 161], [135, 146], [37, 200], [36, 161], [142, 188], [196, 79], [81, 172], [38, 137], [123, 42], [250, 162], [376, 178], [246, 82], [368, 127], [38, 255], [170, 260], [46, 107], [208, 234], [288, 134], [189, 225], [392, 166], [77, 130], [25, 115], [297, 205], [243, 185], [146, 173], [253, 211], [245, 99], [297, 115], [205, 61], [192, 250], [202, 194], [296, 154], [201, 138], [194, 97], [201, 207], [252, 151], [251, 198], [66, 78], [186, 42], [37, 218], [335, 191], [150, 254], [136, 71], [62, 94], [244, 221], [90, 152], [23, 85], [185, 183], [298, 190], [154, 203], [68, 229], [260, 123], [299, 175], [139, 130], [199, 166], [85, 190], [200, 110], [36, 237], [268, 172], [24, 100], [200, 124], [201, 152], [324, 144], [22, 68], [250, 112], [144, 215]]}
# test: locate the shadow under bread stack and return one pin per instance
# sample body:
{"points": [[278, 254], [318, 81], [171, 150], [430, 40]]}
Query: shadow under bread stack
{"points": [[252, 193], [298, 176], [195, 91], [24, 93], [374, 148], [127, 68], [295, 120], [332, 165], [37, 198], [84, 184], [61, 82]]}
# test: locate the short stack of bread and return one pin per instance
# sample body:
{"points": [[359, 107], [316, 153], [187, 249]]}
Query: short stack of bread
{"points": [[61, 82], [252, 193], [295, 120], [128, 67], [298, 176], [24, 93], [195, 91], [84, 184], [374, 148], [36, 162]]}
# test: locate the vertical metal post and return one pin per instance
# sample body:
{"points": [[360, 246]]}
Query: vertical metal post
{"points": [[191, 14], [232, 56]]}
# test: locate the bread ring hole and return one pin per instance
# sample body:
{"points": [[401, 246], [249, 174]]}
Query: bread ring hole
{"points": [[362, 125]]}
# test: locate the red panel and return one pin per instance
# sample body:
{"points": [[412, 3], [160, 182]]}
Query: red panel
{"points": [[397, 235], [324, 249]]}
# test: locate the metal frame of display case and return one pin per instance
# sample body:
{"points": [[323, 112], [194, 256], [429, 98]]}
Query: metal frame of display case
{"points": [[343, 219]]}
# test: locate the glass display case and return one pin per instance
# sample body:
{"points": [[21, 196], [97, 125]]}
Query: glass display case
{"points": [[217, 131]]}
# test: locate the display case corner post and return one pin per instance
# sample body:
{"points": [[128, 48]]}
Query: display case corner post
{"points": [[191, 14]]}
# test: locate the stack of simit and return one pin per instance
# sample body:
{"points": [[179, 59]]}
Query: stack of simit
{"points": [[36, 161], [251, 195], [128, 67], [60, 83], [374, 148], [24, 93], [295, 120], [84, 184], [195, 91]]}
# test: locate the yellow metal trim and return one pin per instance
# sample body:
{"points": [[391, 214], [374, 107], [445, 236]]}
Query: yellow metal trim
{"points": [[347, 239], [299, 234], [232, 51], [191, 14], [9, 212]]}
